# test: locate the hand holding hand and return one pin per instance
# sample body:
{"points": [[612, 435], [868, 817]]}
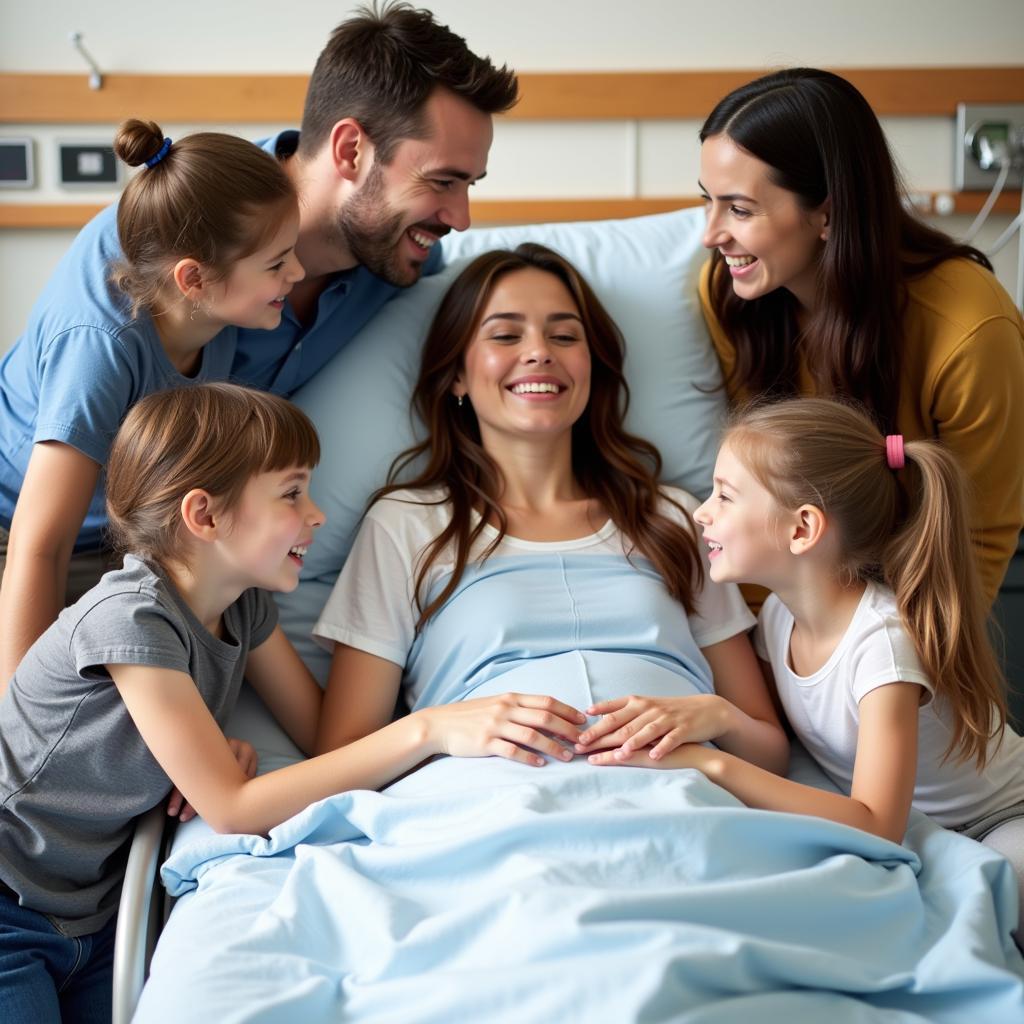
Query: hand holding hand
{"points": [[248, 761], [662, 723], [519, 726]]}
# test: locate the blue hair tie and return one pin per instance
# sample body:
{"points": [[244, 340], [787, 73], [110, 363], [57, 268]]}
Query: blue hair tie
{"points": [[154, 160]]}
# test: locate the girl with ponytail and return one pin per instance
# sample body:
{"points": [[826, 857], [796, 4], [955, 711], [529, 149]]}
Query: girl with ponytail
{"points": [[822, 281], [875, 632]]}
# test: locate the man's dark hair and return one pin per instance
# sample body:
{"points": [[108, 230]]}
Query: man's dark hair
{"points": [[381, 66]]}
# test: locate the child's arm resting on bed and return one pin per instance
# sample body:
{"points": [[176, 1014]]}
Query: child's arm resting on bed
{"points": [[188, 744], [739, 717], [883, 774], [360, 699], [277, 673]]}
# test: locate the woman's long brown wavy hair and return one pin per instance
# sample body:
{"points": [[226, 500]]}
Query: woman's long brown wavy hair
{"points": [[909, 531], [822, 140], [610, 465]]}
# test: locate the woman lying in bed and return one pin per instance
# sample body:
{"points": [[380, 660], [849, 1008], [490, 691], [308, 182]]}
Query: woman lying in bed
{"points": [[512, 894], [533, 565]]}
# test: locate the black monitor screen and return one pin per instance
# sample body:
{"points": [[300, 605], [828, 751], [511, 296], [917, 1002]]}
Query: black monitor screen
{"points": [[13, 161]]}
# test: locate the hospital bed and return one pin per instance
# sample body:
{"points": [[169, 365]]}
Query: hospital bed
{"points": [[699, 910]]}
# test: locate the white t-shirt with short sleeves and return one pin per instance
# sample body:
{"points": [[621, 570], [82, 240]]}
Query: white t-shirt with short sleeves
{"points": [[823, 709]]}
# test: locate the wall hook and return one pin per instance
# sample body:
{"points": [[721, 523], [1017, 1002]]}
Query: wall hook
{"points": [[95, 75]]}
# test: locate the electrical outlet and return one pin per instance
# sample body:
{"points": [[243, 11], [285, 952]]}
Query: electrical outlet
{"points": [[983, 132]]}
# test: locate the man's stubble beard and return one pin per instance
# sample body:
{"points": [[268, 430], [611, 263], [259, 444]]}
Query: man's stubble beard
{"points": [[367, 227]]}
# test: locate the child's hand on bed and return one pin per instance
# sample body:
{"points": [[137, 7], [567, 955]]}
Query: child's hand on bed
{"points": [[687, 755], [519, 726], [660, 723], [248, 760]]}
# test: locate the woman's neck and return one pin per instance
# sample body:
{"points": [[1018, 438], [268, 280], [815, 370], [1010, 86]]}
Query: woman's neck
{"points": [[542, 499], [182, 334], [803, 308]]}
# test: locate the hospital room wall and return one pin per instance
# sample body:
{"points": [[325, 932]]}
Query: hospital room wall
{"points": [[529, 159]]}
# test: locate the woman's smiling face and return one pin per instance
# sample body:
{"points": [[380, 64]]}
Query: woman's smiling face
{"points": [[768, 239], [526, 370]]}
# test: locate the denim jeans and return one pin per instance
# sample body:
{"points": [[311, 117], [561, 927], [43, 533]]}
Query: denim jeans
{"points": [[46, 977]]}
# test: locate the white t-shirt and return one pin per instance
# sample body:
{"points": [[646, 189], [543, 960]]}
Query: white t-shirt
{"points": [[588, 600], [823, 709]]}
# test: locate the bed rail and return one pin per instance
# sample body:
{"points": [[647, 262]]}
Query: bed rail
{"points": [[142, 911]]}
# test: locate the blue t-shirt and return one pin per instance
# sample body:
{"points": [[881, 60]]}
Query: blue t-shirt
{"points": [[83, 360], [81, 364]]}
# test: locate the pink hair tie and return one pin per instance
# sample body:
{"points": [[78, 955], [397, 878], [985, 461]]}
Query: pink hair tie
{"points": [[894, 451]]}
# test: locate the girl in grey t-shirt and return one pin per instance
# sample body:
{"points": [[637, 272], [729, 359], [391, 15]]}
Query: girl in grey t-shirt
{"points": [[130, 687], [126, 694]]}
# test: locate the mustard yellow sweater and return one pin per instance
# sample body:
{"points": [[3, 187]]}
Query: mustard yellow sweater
{"points": [[963, 383]]}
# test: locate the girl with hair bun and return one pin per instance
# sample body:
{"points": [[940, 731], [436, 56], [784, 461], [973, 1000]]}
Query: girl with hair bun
{"points": [[875, 633], [207, 230]]}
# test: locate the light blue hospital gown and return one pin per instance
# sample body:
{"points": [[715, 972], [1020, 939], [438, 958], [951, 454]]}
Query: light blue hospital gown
{"points": [[579, 620]]}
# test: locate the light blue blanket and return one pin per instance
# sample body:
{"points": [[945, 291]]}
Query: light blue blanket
{"points": [[489, 891]]}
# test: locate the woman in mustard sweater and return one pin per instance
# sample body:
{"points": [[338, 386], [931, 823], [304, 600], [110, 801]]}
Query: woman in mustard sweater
{"points": [[822, 282]]}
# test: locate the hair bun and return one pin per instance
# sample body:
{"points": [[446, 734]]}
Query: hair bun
{"points": [[138, 141]]}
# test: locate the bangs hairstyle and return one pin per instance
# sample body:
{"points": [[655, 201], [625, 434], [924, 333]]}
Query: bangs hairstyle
{"points": [[909, 530], [212, 197], [380, 68], [617, 468], [213, 437], [822, 141]]}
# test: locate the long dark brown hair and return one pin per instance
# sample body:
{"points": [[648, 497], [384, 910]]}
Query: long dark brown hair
{"points": [[610, 465], [910, 531], [822, 140]]}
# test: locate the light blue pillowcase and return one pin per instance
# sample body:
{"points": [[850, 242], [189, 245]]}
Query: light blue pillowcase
{"points": [[644, 270]]}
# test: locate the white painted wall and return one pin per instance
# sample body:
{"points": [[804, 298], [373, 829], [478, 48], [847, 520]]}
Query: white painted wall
{"points": [[528, 160], [534, 35]]}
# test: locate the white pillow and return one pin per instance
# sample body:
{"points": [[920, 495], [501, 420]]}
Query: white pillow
{"points": [[645, 272]]}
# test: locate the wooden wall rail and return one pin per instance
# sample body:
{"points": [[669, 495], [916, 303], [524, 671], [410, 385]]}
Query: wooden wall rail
{"points": [[33, 99], [484, 211], [643, 95]]}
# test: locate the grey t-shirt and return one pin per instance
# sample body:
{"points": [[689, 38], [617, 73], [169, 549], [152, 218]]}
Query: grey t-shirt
{"points": [[74, 770]]}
